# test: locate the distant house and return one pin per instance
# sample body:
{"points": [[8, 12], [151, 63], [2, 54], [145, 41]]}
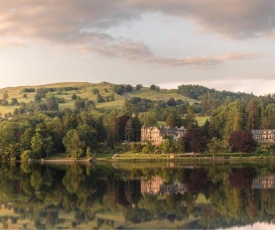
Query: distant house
{"points": [[264, 135], [157, 135]]}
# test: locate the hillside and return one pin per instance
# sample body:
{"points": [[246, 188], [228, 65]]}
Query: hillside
{"points": [[85, 90]]}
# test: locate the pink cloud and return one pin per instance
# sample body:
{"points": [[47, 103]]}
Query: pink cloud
{"points": [[82, 24]]}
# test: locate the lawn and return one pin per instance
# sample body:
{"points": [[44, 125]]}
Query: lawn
{"points": [[201, 120]]}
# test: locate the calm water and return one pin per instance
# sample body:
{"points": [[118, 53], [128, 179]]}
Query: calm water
{"points": [[137, 196]]}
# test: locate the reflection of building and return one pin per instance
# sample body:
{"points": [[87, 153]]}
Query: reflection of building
{"points": [[156, 186], [264, 182], [156, 135], [263, 135], [151, 186]]}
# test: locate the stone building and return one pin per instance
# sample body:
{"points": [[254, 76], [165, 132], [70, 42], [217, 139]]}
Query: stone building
{"points": [[157, 135], [263, 135]]}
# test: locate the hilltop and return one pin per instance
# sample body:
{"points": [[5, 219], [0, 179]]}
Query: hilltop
{"points": [[66, 90]]}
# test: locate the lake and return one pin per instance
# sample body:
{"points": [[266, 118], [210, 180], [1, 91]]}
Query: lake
{"points": [[137, 196]]}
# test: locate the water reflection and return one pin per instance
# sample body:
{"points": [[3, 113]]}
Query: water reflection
{"points": [[135, 196]]}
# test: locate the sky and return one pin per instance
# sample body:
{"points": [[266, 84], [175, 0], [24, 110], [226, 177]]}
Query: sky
{"points": [[221, 44]]}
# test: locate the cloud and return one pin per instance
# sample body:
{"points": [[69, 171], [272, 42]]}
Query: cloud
{"points": [[204, 61], [60, 19], [11, 42], [257, 86], [232, 18], [83, 24], [137, 51]]}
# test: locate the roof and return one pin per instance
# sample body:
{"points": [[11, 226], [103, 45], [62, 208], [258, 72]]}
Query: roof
{"points": [[261, 131]]}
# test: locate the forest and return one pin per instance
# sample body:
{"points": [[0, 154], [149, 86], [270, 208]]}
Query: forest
{"points": [[43, 128]]}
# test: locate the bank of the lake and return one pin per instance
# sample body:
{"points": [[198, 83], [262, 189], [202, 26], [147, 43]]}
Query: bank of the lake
{"points": [[184, 157]]}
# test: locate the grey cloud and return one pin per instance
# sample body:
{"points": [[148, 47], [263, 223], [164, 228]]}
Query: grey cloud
{"points": [[59, 19], [82, 23], [232, 18]]}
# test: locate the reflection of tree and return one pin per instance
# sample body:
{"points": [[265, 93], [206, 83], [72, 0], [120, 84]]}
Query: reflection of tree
{"points": [[73, 177], [39, 193], [197, 181], [242, 177]]}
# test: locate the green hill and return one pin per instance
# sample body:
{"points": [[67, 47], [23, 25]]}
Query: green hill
{"points": [[85, 90]]}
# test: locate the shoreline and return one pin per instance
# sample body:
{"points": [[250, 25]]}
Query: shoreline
{"points": [[163, 159]]}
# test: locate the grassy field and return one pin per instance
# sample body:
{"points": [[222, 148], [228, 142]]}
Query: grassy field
{"points": [[85, 91], [201, 120]]}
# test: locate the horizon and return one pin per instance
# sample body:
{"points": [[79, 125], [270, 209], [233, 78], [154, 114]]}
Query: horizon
{"points": [[225, 45], [170, 87]]}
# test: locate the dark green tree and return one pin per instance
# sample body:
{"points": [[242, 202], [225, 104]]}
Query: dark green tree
{"points": [[128, 88], [129, 131]]}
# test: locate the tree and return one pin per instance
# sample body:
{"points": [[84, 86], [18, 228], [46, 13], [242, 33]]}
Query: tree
{"points": [[79, 104], [5, 95], [152, 87], [241, 142], [179, 102], [89, 104], [148, 148], [270, 112], [167, 145], [95, 91], [129, 131], [88, 135], [127, 108], [74, 97], [173, 120], [217, 146], [196, 140], [119, 89], [41, 146], [190, 120], [171, 102], [179, 145], [149, 119], [100, 99], [139, 86], [137, 128], [113, 130], [37, 98], [128, 88], [121, 124], [52, 104], [74, 145], [14, 101], [26, 137]]}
